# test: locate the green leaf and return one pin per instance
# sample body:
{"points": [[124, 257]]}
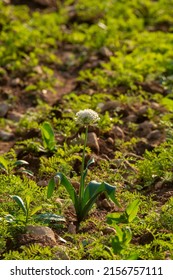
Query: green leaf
{"points": [[20, 203], [132, 210], [86, 170], [127, 236], [116, 218], [3, 163], [48, 136], [70, 189], [51, 187], [26, 171], [91, 193], [119, 232], [20, 162], [36, 209], [28, 200], [91, 161], [95, 188], [50, 217], [10, 218], [66, 183]]}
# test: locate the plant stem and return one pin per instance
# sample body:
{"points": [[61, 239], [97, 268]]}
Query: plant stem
{"points": [[81, 190]]}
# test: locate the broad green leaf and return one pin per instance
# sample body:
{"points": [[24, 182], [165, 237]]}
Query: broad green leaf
{"points": [[132, 210], [95, 188], [48, 136], [26, 171], [10, 218], [3, 163], [50, 217], [20, 162], [91, 193], [127, 236], [119, 233], [51, 187], [20, 203], [116, 218]]}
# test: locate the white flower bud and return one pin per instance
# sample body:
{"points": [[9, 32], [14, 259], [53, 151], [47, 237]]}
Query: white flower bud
{"points": [[87, 117]]}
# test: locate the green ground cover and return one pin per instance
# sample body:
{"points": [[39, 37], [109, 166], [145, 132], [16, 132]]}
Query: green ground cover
{"points": [[114, 57]]}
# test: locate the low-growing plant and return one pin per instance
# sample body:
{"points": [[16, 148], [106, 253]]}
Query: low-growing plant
{"points": [[84, 200], [11, 166], [48, 136], [123, 235], [28, 213]]}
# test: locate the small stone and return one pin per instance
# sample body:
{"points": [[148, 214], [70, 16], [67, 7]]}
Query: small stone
{"points": [[109, 230], [15, 82], [4, 107], [144, 128], [154, 135], [143, 110], [42, 183], [105, 52], [105, 204], [110, 106], [61, 254], [131, 118], [14, 116], [117, 132], [92, 142], [6, 136], [110, 141], [41, 231]]}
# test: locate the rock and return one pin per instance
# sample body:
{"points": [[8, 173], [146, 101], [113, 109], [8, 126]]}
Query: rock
{"points": [[6, 136], [142, 146], [154, 135], [110, 106], [14, 116], [104, 51], [131, 118], [143, 110], [109, 230], [42, 232], [144, 129], [106, 204], [61, 253], [117, 132], [16, 82], [92, 142], [4, 107]]}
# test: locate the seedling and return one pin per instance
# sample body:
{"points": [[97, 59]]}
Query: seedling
{"points": [[28, 213], [9, 167], [48, 136]]}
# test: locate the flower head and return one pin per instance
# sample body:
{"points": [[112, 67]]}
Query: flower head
{"points": [[87, 117]]}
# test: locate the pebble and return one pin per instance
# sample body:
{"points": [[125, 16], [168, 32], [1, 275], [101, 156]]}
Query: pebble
{"points": [[14, 116], [154, 135], [41, 231], [6, 136], [92, 142], [4, 107], [110, 106], [117, 132]]}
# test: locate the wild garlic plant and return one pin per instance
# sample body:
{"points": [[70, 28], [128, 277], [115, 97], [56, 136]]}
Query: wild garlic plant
{"points": [[87, 195]]}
